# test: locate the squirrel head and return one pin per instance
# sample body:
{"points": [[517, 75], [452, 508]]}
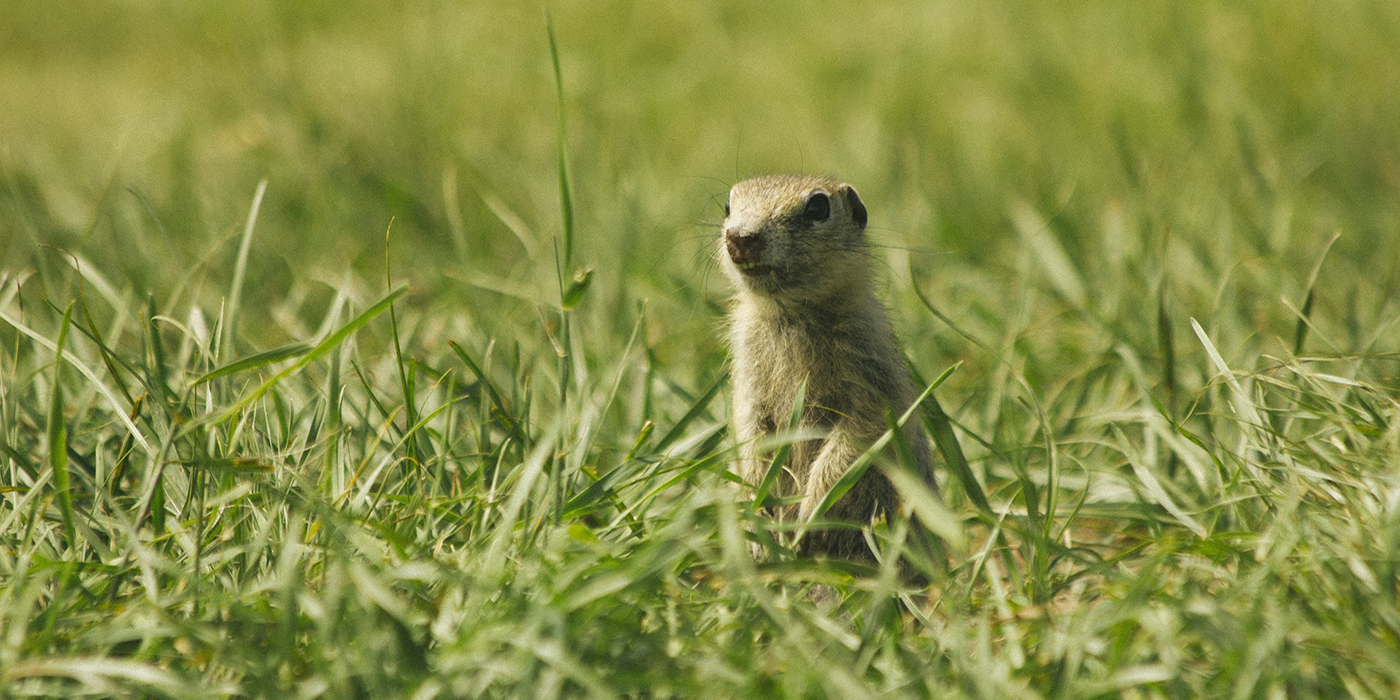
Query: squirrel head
{"points": [[794, 237]]}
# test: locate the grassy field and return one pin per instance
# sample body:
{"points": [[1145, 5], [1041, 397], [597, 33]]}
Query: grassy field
{"points": [[338, 413]]}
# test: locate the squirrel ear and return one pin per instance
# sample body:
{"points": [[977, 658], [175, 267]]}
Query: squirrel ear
{"points": [[856, 206]]}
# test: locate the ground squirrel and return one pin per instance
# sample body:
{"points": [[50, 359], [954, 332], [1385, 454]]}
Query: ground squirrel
{"points": [[804, 310]]}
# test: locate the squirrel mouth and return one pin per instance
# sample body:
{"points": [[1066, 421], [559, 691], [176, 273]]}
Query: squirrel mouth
{"points": [[752, 267], [760, 278]]}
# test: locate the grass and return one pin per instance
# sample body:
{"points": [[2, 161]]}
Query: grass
{"points": [[252, 445]]}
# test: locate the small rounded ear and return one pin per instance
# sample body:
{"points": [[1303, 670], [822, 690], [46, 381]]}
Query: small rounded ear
{"points": [[857, 207]]}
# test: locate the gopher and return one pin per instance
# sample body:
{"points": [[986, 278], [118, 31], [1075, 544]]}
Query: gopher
{"points": [[804, 311]]}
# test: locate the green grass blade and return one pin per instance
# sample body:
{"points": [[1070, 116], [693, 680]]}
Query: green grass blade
{"points": [[410, 402], [1154, 487], [775, 465], [109, 357], [1245, 408], [1166, 340], [323, 347], [502, 413], [570, 296], [940, 429], [919, 492], [867, 458], [1300, 333], [111, 398], [521, 491], [928, 507], [240, 266], [332, 479], [696, 409], [157, 369], [583, 501], [1054, 262], [578, 286], [262, 359], [58, 434], [566, 198]]}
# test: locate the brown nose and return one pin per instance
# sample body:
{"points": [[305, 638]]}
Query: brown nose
{"points": [[743, 248]]}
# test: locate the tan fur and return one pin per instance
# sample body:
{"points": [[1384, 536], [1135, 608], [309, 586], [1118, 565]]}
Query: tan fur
{"points": [[805, 311]]}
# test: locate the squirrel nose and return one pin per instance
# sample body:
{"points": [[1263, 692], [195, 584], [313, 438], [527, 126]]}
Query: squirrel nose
{"points": [[743, 248]]}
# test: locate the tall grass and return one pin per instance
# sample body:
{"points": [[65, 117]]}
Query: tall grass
{"points": [[248, 449]]}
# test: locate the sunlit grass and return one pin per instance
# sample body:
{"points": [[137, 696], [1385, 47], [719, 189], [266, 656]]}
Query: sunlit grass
{"points": [[370, 429]]}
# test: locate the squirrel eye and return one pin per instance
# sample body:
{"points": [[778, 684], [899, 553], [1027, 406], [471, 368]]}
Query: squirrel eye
{"points": [[818, 207], [726, 209]]}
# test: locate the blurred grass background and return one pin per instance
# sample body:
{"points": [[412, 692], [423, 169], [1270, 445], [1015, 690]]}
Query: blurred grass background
{"points": [[1276, 124], [1067, 185], [1180, 137]]}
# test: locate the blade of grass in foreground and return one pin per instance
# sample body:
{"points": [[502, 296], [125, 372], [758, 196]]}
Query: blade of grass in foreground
{"points": [[1245, 408], [239, 268], [58, 432], [1300, 334], [566, 200], [940, 428], [103, 389], [494, 559], [927, 504], [261, 359], [321, 349], [696, 409], [863, 462], [775, 467], [410, 403], [1055, 263], [501, 414], [563, 260], [1154, 487]]}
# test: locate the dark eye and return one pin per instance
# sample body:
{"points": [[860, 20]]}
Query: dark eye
{"points": [[726, 209], [818, 207]]}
